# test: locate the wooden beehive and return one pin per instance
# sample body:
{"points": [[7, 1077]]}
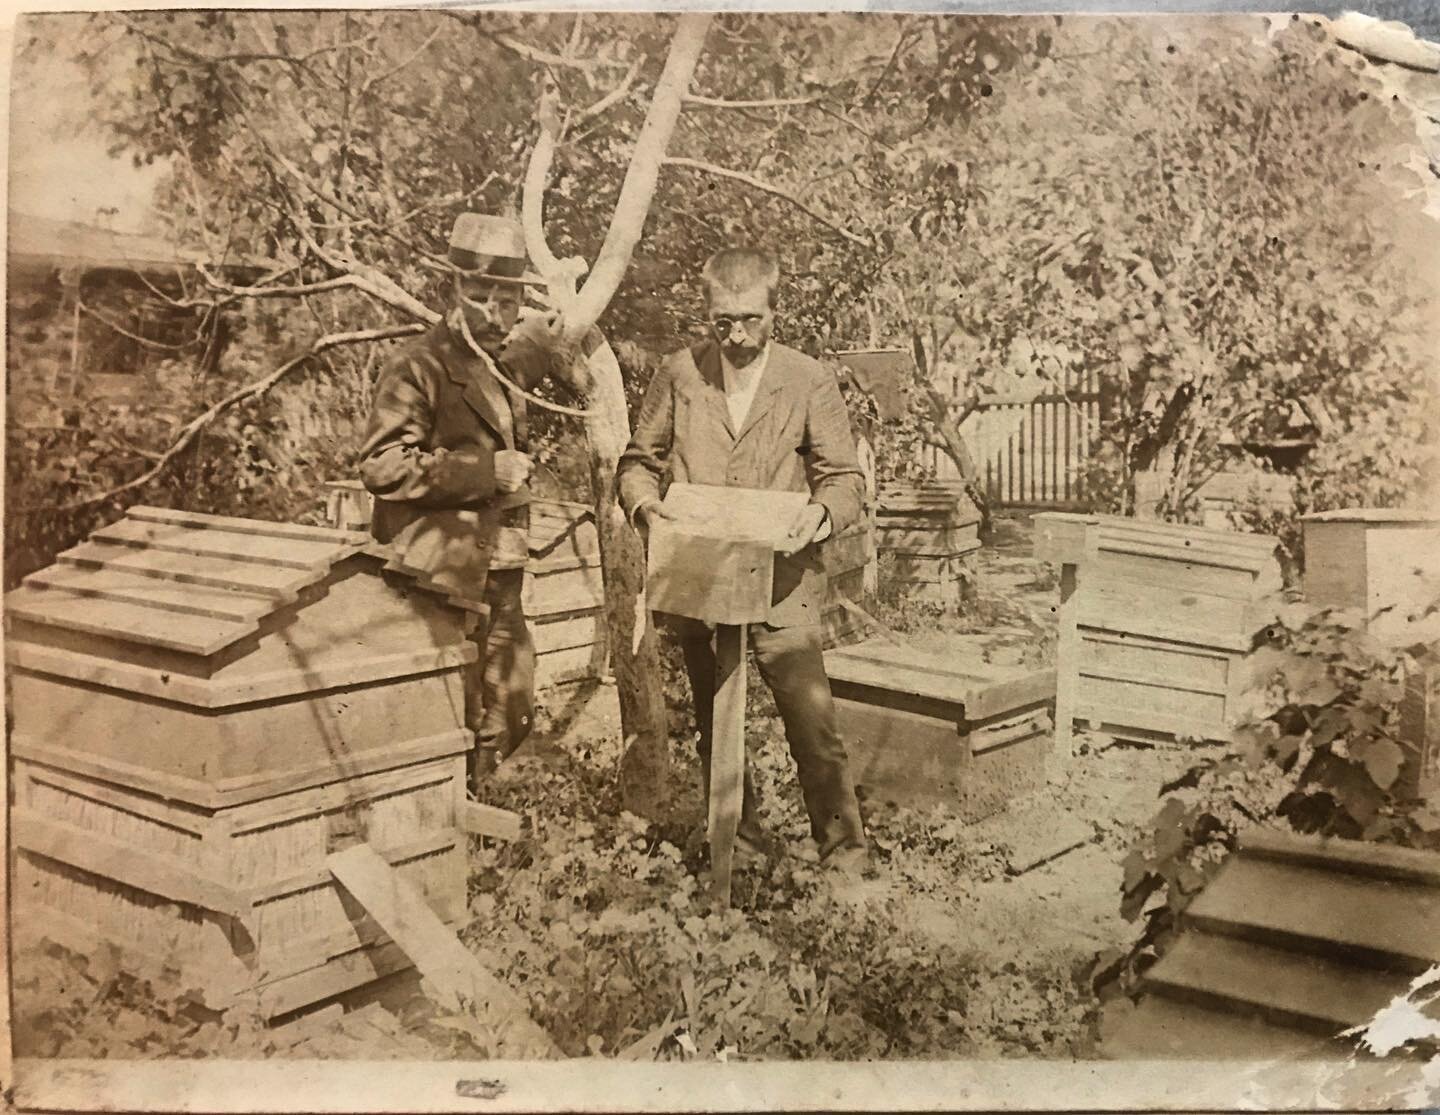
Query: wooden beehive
{"points": [[1372, 559], [1296, 939], [564, 597], [564, 594], [205, 708], [716, 561], [921, 732], [845, 558], [1386, 564], [1157, 622], [928, 529]]}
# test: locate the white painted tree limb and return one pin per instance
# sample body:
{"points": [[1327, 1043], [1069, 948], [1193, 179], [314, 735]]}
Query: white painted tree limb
{"points": [[594, 372], [771, 102], [642, 175]]}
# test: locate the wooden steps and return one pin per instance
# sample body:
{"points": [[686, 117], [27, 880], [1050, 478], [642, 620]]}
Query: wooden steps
{"points": [[1294, 989], [1318, 909], [1295, 939]]}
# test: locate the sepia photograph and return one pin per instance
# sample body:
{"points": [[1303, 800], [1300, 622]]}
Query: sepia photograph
{"points": [[722, 560]]}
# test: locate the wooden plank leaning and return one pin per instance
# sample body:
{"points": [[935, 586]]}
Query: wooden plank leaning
{"points": [[459, 978]]}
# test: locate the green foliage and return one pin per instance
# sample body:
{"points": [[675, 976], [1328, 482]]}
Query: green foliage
{"points": [[1319, 749]]}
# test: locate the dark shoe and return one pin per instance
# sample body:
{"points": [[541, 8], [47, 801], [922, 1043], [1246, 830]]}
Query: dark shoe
{"points": [[752, 844]]}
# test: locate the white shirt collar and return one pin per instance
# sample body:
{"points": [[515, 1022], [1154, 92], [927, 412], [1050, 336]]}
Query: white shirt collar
{"points": [[741, 385]]}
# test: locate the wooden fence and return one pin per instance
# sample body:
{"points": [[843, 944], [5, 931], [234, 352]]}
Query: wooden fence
{"points": [[1032, 450]]}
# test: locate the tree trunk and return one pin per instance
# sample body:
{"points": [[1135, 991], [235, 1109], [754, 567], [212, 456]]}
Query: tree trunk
{"points": [[634, 651], [635, 657], [959, 452]]}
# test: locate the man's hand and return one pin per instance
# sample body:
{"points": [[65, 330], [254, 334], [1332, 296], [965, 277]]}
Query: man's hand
{"points": [[806, 526], [651, 512], [512, 470]]}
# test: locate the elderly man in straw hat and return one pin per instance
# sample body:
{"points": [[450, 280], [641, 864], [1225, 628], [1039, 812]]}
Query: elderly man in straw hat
{"points": [[445, 457]]}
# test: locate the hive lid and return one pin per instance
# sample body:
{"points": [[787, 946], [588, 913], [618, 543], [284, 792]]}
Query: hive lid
{"points": [[1378, 516], [191, 583], [984, 689]]}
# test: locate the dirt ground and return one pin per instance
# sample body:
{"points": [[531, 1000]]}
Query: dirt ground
{"points": [[1027, 939]]}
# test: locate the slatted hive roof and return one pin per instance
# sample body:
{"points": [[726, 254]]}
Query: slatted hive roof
{"points": [[1296, 939], [190, 583]]}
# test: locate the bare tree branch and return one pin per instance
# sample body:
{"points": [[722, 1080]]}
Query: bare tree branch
{"points": [[611, 98], [249, 391], [772, 102], [643, 173], [774, 191], [115, 326], [370, 82], [365, 283], [530, 53]]}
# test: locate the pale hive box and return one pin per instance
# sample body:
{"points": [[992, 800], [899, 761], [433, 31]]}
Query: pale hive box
{"points": [[204, 708], [1157, 623], [717, 563]]}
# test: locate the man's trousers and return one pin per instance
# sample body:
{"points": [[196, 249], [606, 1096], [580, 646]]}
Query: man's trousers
{"points": [[790, 661], [500, 688]]}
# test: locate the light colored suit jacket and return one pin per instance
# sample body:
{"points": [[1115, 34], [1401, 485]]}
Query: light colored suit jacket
{"points": [[795, 438]]}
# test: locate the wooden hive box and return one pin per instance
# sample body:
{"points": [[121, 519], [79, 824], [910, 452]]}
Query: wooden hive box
{"points": [[923, 733], [1294, 940], [204, 709], [1371, 559], [564, 598], [1157, 623], [1386, 564], [564, 595], [845, 557], [716, 561], [928, 529]]}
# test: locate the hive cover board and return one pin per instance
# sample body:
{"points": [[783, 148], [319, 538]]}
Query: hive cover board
{"points": [[716, 561]]}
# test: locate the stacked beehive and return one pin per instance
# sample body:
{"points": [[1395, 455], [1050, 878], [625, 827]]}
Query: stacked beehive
{"points": [[204, 709], [1386, 564], [564, 594], [845, 558], [1157, 623], [564, 598], [928, 529]]}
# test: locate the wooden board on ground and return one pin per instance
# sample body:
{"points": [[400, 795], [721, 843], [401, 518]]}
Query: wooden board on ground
{"points": [[437, 953], [479, 819], [1043, 842]]}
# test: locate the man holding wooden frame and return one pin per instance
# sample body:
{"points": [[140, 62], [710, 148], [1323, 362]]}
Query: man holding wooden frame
{"points": [[742, 411]]}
